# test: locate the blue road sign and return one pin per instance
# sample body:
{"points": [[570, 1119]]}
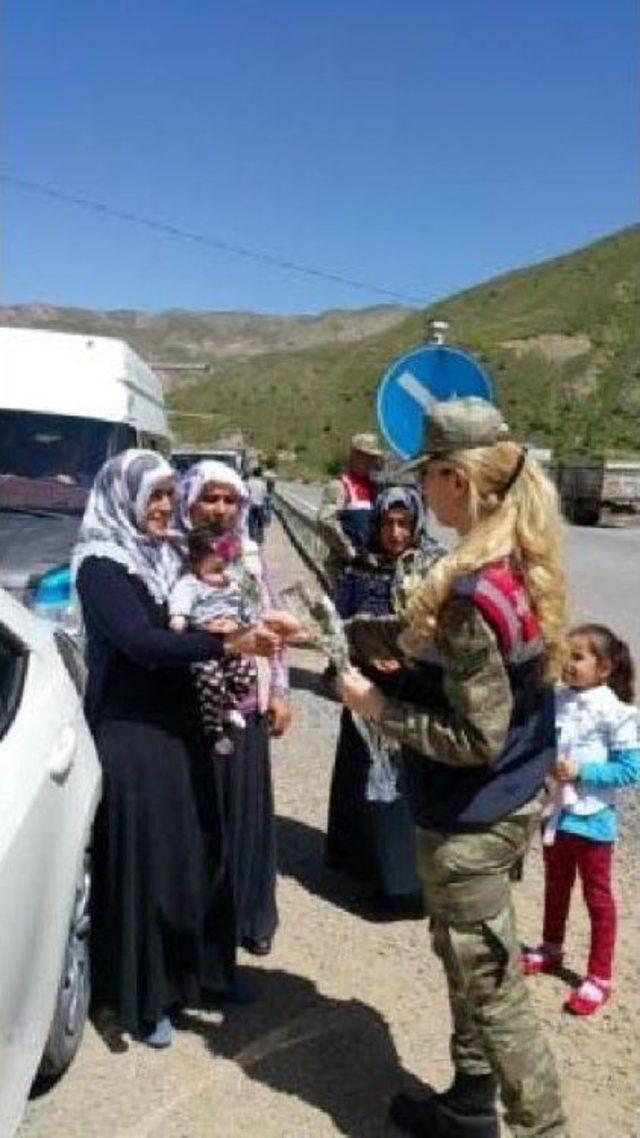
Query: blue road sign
{"points": [[414, 381]]}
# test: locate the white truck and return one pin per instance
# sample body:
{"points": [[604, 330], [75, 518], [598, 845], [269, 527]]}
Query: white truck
{"points": [[67, 403]]}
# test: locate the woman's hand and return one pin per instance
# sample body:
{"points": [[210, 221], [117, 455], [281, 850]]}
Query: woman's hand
{"points": [[282, 623], [258, 641], [305, 637], [359, 694], [221, 626], [386, 666], [278, 716]]}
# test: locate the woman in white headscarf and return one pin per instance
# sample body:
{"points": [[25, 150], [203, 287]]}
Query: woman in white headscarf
{"points": [[162, 911], [212, 495]]}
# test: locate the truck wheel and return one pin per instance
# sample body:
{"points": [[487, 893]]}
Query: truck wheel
{"points": [[72, 1003], [587, 515]]}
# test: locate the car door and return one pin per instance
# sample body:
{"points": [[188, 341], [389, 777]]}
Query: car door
{"points": [[49, 786]]}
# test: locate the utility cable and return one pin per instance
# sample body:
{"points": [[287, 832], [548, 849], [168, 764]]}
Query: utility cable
{"points": [[245, 251]]}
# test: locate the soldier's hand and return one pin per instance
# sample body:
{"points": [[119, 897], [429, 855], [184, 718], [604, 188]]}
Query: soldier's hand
{"points": [[359, 694]]}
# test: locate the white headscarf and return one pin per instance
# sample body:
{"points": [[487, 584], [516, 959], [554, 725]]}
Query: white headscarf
{"points": [[191, 486], [114, 518]]}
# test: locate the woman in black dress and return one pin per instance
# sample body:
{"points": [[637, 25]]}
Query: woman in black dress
{"points": [[162, 908], [213, 496], [370, 833]]}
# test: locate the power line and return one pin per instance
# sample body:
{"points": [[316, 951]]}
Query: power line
{"points": [[203, 239]]}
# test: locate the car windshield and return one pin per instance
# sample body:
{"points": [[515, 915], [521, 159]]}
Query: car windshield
{"points": [[182, 460], [49, 462]]}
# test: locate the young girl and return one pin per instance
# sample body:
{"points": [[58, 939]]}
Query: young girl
{"points": [[212, 593], [597, 753]]}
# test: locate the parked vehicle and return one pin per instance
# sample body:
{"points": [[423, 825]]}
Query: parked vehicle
{"points": [[49, 791], [184, 457], [589, 484], [67, 403]]}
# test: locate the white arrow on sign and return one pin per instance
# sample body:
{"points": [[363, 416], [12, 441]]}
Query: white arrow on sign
{"points": [[414, 388]]}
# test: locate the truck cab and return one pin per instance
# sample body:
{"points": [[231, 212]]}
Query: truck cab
{"points": [[67, 403]]}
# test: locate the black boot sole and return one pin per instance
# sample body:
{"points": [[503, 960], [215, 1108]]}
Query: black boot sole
{"points": [[431, 1118]]}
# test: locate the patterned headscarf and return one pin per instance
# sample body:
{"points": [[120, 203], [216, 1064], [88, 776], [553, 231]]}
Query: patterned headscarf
{"points": [[114, 518], [192, 483], [401, 497]]}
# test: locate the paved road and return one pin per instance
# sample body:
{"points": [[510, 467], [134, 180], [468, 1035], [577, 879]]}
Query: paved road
{"points": [[603, 568]]}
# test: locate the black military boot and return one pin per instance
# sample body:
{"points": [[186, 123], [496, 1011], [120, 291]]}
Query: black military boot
{"points": [[466, 1110]]}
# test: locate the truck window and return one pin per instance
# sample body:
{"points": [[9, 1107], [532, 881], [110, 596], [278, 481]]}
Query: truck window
{"points": [[122, 438], [61, 448]]}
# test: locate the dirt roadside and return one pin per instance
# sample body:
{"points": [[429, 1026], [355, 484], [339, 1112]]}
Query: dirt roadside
{"points": [[347, 1009]]}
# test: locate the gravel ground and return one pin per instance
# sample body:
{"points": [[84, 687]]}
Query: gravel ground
{"points": [[347, 1009]]}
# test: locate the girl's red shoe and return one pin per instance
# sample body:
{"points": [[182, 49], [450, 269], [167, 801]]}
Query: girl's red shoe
{"points": [[588, 998], [540, 959]]}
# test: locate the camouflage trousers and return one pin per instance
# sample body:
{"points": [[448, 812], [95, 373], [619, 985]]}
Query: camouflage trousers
{"points": [[466, 881]]}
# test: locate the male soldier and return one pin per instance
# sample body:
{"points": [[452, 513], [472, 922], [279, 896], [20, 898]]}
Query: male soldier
{"points": [[344, 516], [478, 738]]}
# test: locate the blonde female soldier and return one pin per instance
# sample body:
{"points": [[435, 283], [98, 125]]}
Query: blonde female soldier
{"points": [[485, 631]]}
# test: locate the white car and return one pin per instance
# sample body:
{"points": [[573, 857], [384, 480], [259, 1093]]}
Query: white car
{"points": [[49, 792]]}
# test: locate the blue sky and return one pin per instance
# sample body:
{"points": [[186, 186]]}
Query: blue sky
{"points": [[419, 146]]}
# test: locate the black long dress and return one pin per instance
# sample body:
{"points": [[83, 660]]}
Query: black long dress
{"points": [[162, 902], [371, 841], [246, 797]]}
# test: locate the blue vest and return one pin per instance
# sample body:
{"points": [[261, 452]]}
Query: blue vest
{"points": [[363, 591], [453, 799]]}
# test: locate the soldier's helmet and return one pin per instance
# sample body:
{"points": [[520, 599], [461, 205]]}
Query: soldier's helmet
{"points": [[460, 424], [367, 443]]}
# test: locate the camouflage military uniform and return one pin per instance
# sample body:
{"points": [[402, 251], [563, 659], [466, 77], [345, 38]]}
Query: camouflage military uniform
{"points": [[466, 875]]}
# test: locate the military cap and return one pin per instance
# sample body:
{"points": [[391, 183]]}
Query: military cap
{"points": [[367, 443], [460, 424]]}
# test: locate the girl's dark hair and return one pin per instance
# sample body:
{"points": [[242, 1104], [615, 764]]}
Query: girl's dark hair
{"points": [[200, 543], [608, 649]]}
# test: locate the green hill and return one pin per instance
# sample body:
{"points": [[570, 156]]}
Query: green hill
{"points": [[560, 341]]}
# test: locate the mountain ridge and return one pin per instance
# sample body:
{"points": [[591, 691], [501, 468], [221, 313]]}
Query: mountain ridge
{"points": [[560, 340]]}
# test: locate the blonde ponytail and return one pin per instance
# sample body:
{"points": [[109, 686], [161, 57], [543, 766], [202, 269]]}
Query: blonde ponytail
{"points": [[524, 522]]}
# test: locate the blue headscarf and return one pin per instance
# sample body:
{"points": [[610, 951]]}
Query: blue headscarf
{"points": [[114, 518]]}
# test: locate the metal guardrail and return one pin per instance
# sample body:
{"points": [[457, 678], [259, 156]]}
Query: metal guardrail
{"points": [[300, 522]]}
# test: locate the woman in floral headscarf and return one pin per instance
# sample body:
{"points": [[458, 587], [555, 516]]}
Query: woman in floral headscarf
{"points": [[162, 909], [370, 833], [212, 495]]}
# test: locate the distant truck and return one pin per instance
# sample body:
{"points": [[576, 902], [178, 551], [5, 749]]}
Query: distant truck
{"points": [[588, 485], [67, 403], [184, 457]]}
